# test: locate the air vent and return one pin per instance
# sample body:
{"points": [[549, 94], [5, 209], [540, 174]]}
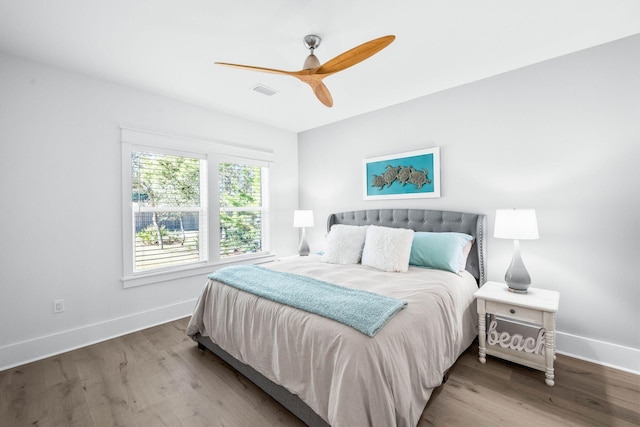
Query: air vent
{"points": [[260, 88]]}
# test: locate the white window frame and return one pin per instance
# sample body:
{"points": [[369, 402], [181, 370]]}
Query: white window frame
{"points": [[213, 152], [202, 209]]}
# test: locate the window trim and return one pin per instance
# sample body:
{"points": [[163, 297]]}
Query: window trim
{"points": [[214, 152]]}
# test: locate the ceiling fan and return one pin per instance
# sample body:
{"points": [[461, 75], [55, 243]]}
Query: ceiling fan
{"points": [[312, 72]]}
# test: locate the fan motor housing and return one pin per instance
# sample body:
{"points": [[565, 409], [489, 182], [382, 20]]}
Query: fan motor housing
{"points": [[312, 41]]}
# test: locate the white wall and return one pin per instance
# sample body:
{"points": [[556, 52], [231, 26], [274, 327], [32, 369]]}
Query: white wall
{"points": [[60, 218], [562, 137]]}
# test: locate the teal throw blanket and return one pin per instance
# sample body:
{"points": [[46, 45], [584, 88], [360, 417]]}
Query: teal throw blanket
{"points": [[365, 311]]}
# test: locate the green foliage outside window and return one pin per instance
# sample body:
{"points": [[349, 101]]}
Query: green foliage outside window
{"points": [[165, 190], [163, 180], [166, 196], [240, 209]]}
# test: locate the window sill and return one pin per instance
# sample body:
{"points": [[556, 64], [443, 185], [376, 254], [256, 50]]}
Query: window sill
{"points": [[192, 270]]}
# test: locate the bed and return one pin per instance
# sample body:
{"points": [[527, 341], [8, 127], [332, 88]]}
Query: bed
{"points": [[327, 373]]}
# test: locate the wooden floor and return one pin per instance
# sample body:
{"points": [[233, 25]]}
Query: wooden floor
{"points": [[158, 377]]}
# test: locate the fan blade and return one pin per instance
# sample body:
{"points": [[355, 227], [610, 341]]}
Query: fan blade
{"points": [[322, 93], [355, 55], [261, 69]]}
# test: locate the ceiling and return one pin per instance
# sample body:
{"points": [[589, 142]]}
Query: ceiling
{"points": [[169, 46]]}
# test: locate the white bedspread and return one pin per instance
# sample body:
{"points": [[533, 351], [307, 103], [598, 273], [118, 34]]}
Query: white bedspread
{"points": [[346, 377]]}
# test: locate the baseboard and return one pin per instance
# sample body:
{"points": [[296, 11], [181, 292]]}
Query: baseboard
{"points": [[600, 352], [49, 345]]}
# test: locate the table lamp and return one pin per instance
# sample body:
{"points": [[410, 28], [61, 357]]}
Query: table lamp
{"points": [[516, 224], [302, 219]]}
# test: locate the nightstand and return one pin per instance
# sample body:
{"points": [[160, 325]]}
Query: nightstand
{"points": [[537, 308]]}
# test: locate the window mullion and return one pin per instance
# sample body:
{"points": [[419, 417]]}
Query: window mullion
{"points": [[242, 209]]}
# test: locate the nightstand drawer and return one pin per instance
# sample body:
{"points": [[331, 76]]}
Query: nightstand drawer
{"points": [[514, 312]]}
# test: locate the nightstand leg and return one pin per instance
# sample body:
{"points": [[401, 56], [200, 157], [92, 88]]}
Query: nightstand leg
{"points": [[549, 347], [555, 342], [482, 332]]}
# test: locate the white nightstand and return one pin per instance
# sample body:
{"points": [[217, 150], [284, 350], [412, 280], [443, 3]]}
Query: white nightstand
{"points": [[537, 307]]}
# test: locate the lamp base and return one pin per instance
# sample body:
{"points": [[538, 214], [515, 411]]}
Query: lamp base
{"points": [[517, 277], [303, 249], [517, 291]]}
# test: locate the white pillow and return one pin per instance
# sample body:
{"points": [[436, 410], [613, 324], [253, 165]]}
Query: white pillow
{"points": [[344, 244], [387, 249]]}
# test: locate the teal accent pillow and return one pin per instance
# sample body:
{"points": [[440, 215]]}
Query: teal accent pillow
{"points": [[442, 251]]}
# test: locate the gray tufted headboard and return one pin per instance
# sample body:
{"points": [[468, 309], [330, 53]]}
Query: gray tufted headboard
{"points": [[427, 220]]}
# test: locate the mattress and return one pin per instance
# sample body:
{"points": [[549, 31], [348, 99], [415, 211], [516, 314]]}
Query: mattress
{"points": [[345, 376]]}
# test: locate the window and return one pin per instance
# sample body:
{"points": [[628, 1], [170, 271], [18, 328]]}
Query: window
{"points": [[241, 209], [189, 205], [169, 210]]}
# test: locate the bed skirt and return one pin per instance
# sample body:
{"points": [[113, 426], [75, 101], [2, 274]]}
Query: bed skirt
{"points": [[280, 394]]}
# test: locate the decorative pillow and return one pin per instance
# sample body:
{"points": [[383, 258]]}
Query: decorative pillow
{"points": [[465, 254], [344, 244], [387, 249], [442, 251]]}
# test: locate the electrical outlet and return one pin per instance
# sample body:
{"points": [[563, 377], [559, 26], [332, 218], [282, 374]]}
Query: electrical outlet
{"points": [[58, 306]]}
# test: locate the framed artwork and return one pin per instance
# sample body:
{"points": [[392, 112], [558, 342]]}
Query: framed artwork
{"points": [[414, 174]]}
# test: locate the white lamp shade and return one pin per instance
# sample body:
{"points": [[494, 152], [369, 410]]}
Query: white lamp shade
{"points": [[303, 218], [516, 224]]}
